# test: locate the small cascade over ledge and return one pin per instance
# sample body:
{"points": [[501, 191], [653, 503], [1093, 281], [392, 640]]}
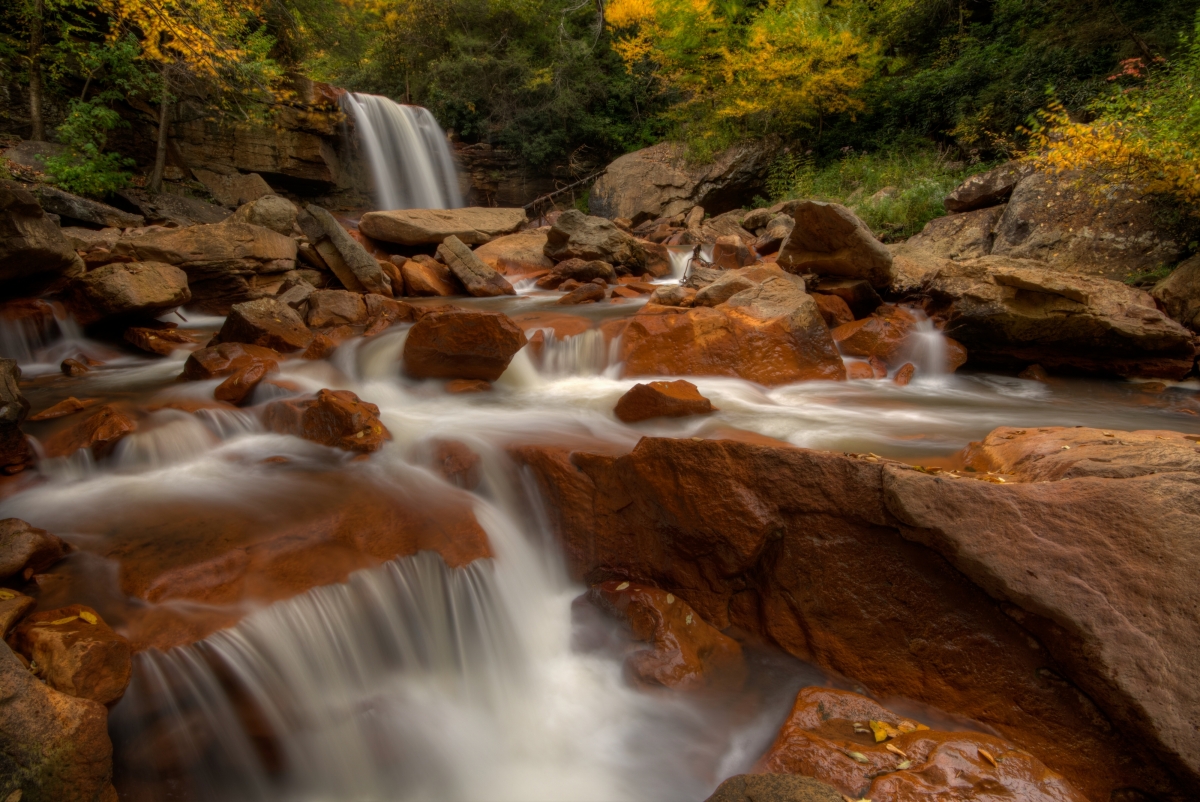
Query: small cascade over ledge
{"points": [[407, 153]]}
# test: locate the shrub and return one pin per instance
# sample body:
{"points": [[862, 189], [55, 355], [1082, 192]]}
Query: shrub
{"points": [[84, 168]]}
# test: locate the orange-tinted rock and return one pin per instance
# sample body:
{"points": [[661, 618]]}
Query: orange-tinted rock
{"points": [[15, 452], [956, 354], [624, 292], [884, 335], [905, 374], [1034, 373], [63, 408], [674, 295], [334, 418], [226, 359], [459, 386], [100, 432], [461, 344], [425, 276], [26, 550], [321, 347], [457, 463], [774, 788], [73, 367], [267, 323], [161, 341], [76, 652], [238, 387], [336, 308], [585, 294], [834, 311], [13, 607], [730, 253], [859, 370], [391, 268], [674, 399], [516, 254], [382, 313], [686, 653], [52, 746], [563, 323], [834, 736]]}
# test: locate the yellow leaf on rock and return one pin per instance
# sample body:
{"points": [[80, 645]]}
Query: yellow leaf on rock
{"points": [[880, 730], [6, 594], [89, 617], [986, 755], [858, 757], [66, 620], [895, 750]]}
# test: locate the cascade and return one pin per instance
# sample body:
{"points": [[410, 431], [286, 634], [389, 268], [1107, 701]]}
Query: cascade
{"points": [[407, 152]]}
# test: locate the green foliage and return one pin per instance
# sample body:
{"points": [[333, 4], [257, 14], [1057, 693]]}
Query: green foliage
{"points": [[85, 168], [896, 192], [1149, 277]]}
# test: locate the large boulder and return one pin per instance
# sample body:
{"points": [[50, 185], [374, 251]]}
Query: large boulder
{"points": [[576, 235], [675, 399], [26, 550], [72, 207], [771, 333], [984, 190], [53, 747], [32, 248], [335, 418], [269, 211], [461, 344], [1071, 224], [226, 359], [424, 276], [774, 788], [517, 254], [76, 652], [1073, 596], [660, 181], [336, 308], [168, 208], [1179, 293], [357, 269], [829, 240], [15, 451], [225, 262], [479, 279], [232, 188], [1009, 312], [266, 323], [473, 225], [99, 432], [124, 289], [958, 236]]}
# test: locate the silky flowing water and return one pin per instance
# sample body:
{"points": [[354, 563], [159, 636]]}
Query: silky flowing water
{"points": [[415, 681]]}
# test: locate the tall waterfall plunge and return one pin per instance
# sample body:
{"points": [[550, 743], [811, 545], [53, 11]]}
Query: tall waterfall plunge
{"points": [[407, 152]]}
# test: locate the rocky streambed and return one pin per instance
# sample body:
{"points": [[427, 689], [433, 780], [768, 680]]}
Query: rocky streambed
{"points": [[449, 504]]}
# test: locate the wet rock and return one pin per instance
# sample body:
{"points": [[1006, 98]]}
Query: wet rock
{"points": [[335, 418], [238, 387], [830, 240], [382, 313], [336, 308], [674, 399], [100, 432], [771, 334], [73, 367], [13, 607], [26, 550], [357, 269], [581, 271], [517, 254], [471, 225], [234, 188], [479, 279], [904, 375], [959, 236], [426, 277], [1010, 312], [53, 747], [883, 334], [833, 736], [76, 652], [730, 253], [1179, 293], [729, 283], [577, 236], [266, 323], [157, 340], [33, 251], [321, 347], [859, 295], [683, 297], [457, 463], [225, 262], [659, 181], [685, 654], [226, 359], [295, 292], [584, 294], [268, 211], [15, 451], [1038, 455], [84, 210], [68, 406], [134, 288], [459, 386], [1034, 373], [860, 370], [958, 593], [461, 344], [834, 310], [983, 190], [774, 788]]}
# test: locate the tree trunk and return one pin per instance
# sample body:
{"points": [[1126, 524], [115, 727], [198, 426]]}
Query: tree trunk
{"points": [[36, 118], [160, 154]]}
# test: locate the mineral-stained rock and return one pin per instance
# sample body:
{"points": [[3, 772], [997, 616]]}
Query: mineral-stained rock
{"points": [[833, 736], [774, 788], [354, 266], [834, 310], [457, 463], [577, 236], [774, 235], [685, 654], [100, 431], [517, 254], [460, 344], [904, 374], [674, 399], [63, 408], [730, 253], [53, 748], [585, 294], [426, 277], [162, 341], [76, 652], [32, 249], [26, 550], [581, 270], [15, 451], [830, 240], [334, 418], [238, 386], [171, 209], [382, 313], [479, 279], [135, 288], [884, 334], [268, 211], [336, 308], [226, 359], [1179, 293], [266, 323], [73, 367], [988, 189], [859, 295], [1072, 596], [13, 607], [472, 225]]}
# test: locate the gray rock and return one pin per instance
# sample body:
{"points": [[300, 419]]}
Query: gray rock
{"points": [[128, 288], [576, 235], [73, 207], [269, 211], [472, 225], [233, 189], [774, 788], [32, 248], [960, 236], [15, 451], [347, 258], [987, 189], [26, 550], [267, 323], [775, 234], [479, 279], [1179, 293], [829, 240], [172, 209], [336, 308]]}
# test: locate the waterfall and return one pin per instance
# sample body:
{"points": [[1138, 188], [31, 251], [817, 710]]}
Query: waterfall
{"points": [[407, 153]]}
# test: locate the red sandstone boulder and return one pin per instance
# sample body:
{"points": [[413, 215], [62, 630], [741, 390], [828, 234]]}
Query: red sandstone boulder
{"points": [[461, 344], [117, 290], [865, 750], [457, 463], [834, 310], [26, 550], [100, 431], [163, 340], [730, 253], [830, 240], [63, 408], [884, 334], [675, 399], [13, 607], [238, 386], [586, 294], [424, 276], [226, 359], [76, 653], [334, 418], [336, 308], [266, 323], [383, 313], [517, 254], [686, 654]]}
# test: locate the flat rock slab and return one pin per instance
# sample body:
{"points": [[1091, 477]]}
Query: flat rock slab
{"points": [[473, 225]]}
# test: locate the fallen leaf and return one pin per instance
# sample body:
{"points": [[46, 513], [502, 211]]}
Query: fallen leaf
{"points": [[880, 731], [622, 586], [903, 764], [895, 750], [89, 617], [986, 755], [6, 594], [66, 620], [857, 757]]}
